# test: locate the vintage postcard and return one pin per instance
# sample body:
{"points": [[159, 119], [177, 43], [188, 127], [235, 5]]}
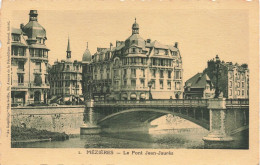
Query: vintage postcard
{"points": [[129, 82]]}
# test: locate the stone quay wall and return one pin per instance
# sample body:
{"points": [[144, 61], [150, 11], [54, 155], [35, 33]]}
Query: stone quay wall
{"points": [[66, 119]]}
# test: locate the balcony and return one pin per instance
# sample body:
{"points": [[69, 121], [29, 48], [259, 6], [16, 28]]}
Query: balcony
{"points": [[39, 57], [19, 84], [20, 70], [19, 56], [37, 71], [133, 75]]}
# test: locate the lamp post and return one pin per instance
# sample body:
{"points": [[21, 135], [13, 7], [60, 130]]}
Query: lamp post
{"points": [[217, 92], [150, 86]]}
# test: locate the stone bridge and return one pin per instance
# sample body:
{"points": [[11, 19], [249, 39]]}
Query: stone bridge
{"points": [[222, 117]]}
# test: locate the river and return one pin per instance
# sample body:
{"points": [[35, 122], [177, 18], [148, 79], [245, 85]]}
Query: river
{"points": [[173, 138]]}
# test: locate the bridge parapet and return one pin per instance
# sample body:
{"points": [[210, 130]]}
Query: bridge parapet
{"points": [[154, 103]]}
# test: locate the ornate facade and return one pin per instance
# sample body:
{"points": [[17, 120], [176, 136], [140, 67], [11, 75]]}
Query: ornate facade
{"points": [[233, 79], [137, 69], [29, 63], [66, 80]]}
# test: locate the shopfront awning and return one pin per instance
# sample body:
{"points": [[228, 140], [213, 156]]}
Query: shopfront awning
{"points": [[142, 96], [133, 96], [124, 95]]}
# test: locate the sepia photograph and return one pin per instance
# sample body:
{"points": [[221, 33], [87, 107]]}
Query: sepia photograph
{"points": [[118, 80]]}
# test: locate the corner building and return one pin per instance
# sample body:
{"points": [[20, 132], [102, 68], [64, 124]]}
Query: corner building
{"points": [[123, 72], [233, 79], [29, 54], [66, 80]]}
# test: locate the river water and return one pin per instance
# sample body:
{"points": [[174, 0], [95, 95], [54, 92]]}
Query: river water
{"points": [[173, 138]]}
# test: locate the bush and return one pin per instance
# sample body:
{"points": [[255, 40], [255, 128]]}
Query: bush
{"points": [[20, 133]]}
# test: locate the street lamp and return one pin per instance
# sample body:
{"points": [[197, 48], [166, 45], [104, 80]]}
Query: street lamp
{"points": [[150, 86], [217, 64]]}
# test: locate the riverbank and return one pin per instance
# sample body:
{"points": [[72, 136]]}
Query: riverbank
{"points": [[21, 135]]}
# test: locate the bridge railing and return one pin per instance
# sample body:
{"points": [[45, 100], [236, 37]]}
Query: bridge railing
{"points": [[242, 102], [155, 102]]}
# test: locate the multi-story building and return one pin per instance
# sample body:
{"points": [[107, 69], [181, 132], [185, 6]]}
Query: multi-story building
{"points": [[134, 68], [29, 63], [66, 80], [233, 79], [199, 86], [87, 74]]}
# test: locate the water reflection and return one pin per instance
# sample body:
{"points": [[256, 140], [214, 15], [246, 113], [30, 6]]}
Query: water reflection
{"points": [[178, 138]]}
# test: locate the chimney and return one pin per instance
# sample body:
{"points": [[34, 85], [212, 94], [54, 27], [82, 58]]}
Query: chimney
{"points": [[148, 40], [111, 45], [176, 45]]}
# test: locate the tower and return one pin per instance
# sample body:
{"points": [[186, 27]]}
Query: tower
{"points": [[68, 49], [135, 28]]}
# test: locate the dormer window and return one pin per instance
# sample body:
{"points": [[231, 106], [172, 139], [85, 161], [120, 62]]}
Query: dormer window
{"points": [[156, 51], [16, 37], [133, 50], [166, 52]]}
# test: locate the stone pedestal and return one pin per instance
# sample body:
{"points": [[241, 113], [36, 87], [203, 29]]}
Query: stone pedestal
{"points": [[217, 137], [90, 120], [90, 130]]}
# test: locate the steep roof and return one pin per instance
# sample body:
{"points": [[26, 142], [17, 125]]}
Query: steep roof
{"points": [[197, 81]]}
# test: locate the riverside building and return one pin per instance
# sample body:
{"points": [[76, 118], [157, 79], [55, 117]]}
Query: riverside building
{"points": [[233, 79], [66, 80], [29, 54], [136, 69]]}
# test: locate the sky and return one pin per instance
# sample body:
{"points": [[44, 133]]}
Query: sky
{"points": [[201, 34]]}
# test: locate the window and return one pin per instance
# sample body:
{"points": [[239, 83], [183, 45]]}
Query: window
{"points": [[125, 83], [21, 51], [177, 86], [142, 72], [21, 65], [133, 72], [230, 92], [230, 84], [169, 74], [133, 83], [46, 79], [16, 37], [243, 84], [153, 84], [14, 50], [177, 75], [238, 92], [243, 92], [20, 78], [161, 84], [107, 75], [38, 66], [67, 83], [142, 83], [238, 84], [133, 50], [169, 85], [153, 73], [161, 73], [125, 72], [154, 61], [161, 62], [142, 60]]}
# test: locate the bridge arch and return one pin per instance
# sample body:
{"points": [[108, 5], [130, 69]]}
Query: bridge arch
{"points": [[157, 113]]}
